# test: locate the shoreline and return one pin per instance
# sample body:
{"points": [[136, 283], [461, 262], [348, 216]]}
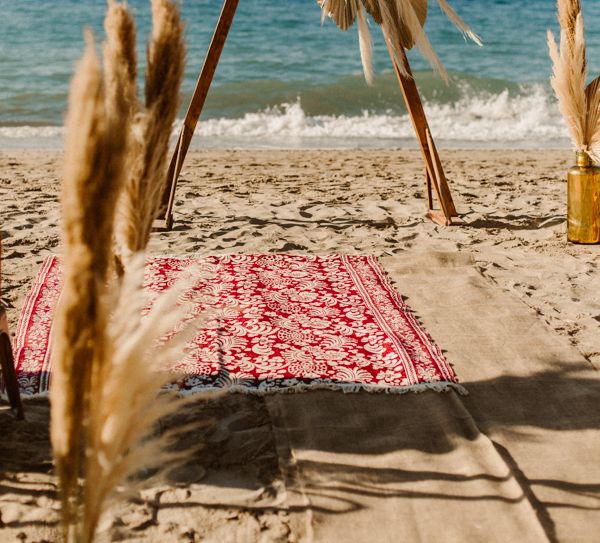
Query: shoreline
{"points": [[199, 145]]}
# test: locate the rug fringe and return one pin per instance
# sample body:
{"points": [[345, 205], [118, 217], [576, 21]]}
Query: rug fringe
{"points": [[346, 388]]}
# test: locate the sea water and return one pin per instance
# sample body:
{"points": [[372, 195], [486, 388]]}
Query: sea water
{"points": [[287, 81]]}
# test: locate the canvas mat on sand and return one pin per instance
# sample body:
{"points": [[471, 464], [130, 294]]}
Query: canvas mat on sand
{"points": [[274, 323], [515, 460]]}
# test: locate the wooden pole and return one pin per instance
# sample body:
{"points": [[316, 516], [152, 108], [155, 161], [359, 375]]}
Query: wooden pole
{"points": [[434, 170], [7, 362], [165, 217]]}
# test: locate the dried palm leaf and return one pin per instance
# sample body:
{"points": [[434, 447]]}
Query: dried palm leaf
{"points": [[402, 23], [341, 12], [365, 42], [372, 7], [407, 30], [458, 22]]}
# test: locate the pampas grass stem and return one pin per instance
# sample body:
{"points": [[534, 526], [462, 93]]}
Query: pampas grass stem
{"points": [[152, 129]]}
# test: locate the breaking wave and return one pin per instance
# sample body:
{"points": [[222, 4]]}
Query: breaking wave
{"points": [[475, 117]]}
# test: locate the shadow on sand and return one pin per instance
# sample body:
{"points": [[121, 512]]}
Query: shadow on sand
{"points": [[240, 435]]}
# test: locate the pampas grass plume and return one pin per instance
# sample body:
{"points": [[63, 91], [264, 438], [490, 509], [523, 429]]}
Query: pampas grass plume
{"points": [[151, 133], [579, 105], [109, 363], [120, 64], [567, 17], [87, 199], [126, 401], [120, 72]]}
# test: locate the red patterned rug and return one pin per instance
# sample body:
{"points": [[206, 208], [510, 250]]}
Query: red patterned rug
{"points": [[277, 323]]}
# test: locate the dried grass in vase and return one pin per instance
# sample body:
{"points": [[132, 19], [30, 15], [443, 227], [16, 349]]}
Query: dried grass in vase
{"points": [[580, 107]]}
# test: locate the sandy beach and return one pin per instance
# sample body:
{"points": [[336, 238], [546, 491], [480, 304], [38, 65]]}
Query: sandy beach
{"points": [[369, 202]]}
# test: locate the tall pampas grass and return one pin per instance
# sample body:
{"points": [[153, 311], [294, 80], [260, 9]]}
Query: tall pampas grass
{"points": [[88, 199], [125, 394], [402, 23], [109, 364], [120, 66], [592, 127], [579, 105], [151, 131], [120, 73]]}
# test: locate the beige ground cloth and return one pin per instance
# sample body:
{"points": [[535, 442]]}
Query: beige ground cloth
{"points": [[516, 460]]}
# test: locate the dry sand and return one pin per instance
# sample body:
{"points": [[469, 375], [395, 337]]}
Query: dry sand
{"points": [[513, 204]]}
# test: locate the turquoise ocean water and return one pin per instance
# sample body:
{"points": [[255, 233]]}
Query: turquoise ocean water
{"points": [[287, 81]]}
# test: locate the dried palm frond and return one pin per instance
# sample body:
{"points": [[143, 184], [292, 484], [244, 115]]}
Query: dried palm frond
{"points": [[407, 31], [343, 13], [402, 23], [365, 43], [410, 31], [458, 22], [152, 130], [372, 7]]}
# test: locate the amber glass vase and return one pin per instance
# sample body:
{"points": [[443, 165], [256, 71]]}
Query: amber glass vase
{"points": [[583, 201]]}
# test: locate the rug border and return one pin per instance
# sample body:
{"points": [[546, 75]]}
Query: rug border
{"points": [[30, 299], [434, 349]]}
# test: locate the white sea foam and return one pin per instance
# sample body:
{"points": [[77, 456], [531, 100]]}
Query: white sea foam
{"points": [[528, 119], [531, 119]]}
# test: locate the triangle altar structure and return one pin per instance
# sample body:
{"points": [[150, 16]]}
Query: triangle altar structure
{"points": [[436, 182]]}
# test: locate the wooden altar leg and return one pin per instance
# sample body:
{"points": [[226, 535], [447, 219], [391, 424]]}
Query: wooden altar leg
{"points": [[435, 171], [7, 365], [429, 190], [164, 220]]}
